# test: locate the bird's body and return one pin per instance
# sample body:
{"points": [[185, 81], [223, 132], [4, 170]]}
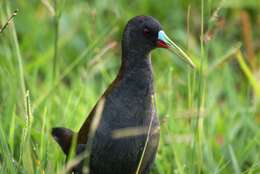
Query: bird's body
{"points": [[129, 106]]}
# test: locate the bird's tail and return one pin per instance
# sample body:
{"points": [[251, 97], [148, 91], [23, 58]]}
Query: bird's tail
{"points": [[63, 137]]}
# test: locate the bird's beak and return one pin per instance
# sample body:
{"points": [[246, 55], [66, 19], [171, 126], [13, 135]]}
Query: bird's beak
{"points": [[164, 41]]}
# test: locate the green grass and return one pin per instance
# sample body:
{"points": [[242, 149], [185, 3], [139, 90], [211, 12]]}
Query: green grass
{"points": [[55, 62]]}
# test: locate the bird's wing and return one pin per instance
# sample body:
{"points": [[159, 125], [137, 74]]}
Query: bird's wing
{"points": [[79, 167], [85, 128]]}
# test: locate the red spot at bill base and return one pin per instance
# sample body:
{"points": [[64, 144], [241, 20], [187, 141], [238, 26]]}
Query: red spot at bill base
{"points": [[162, 44]]}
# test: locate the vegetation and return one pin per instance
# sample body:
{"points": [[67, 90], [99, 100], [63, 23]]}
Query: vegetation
{"points": [[57, 57]]}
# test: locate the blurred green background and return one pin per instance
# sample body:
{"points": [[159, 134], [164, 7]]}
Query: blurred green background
{"points": [[58, 57]]}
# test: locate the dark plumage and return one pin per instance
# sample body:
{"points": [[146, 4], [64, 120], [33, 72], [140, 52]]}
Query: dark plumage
{"points": [[128, 103]]}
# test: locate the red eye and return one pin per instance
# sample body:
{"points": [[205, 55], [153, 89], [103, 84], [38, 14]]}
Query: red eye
{"points": [[146, 31]]}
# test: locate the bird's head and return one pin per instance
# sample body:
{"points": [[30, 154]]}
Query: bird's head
{"points": [[142, 34]]}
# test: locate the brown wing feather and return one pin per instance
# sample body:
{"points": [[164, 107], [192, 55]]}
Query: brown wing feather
{"points": [[84, 130]]}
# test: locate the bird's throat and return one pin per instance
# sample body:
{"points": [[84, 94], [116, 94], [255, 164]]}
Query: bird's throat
{"points": [[137, 72]]}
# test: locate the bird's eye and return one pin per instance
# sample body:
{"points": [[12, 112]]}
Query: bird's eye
{"points": [[146, 31]]}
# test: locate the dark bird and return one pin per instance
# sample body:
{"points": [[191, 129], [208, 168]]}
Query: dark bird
{"points": [[126, 136]]}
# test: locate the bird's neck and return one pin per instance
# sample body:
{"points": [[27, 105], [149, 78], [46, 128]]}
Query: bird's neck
{"points": [[137, 70]]}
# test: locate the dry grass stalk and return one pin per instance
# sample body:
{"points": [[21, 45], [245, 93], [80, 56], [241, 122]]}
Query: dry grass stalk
{"points": [[247, 36]]}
